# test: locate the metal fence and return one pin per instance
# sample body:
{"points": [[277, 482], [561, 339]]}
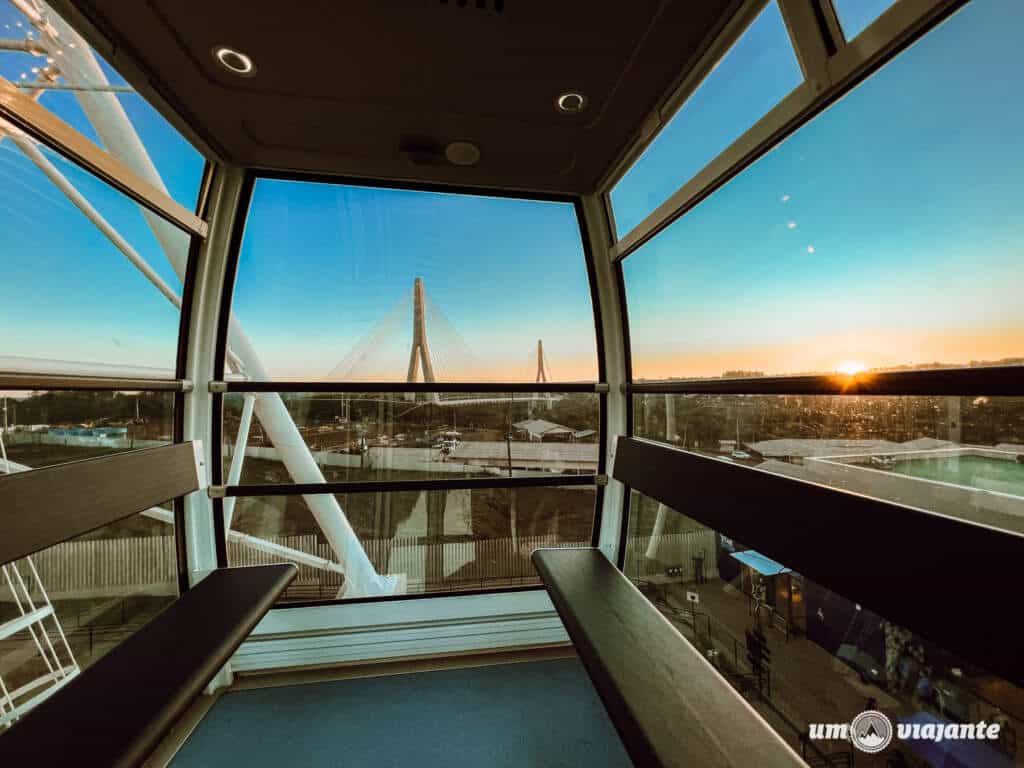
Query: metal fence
{"points": [[146, 564]]}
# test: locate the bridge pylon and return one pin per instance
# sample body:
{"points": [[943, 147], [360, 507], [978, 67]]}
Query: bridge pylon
{"points": [[542, 376], [420, 351]]}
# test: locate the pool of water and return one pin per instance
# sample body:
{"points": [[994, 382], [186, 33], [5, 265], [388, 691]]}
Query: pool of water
{"points": [[972, 471]]}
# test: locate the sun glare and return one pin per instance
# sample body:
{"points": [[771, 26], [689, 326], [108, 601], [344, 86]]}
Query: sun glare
{"points": [[851, 368]]}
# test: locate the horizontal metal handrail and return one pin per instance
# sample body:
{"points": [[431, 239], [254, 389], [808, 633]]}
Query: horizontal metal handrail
{"points": [[391, 486], [395, 386], [34, 381], [978, 380]]}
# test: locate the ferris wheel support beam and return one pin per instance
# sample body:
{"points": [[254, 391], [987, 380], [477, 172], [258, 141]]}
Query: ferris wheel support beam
{"points": [[115, 130]]}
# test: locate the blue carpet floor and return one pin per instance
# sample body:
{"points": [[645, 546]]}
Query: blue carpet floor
{"points": [[539, 714]]}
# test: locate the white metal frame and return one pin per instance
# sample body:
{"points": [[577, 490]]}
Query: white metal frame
{"points": [[607, 285], [27, 114]]}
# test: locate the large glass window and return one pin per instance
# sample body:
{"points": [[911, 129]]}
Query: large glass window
{"points": [[392, 436], [959, 456], [424, 541], [75, 300], [353, 283], [88, 94], [884, 234], [756, 73], [827, 658], [91, 592], [40, 428]]}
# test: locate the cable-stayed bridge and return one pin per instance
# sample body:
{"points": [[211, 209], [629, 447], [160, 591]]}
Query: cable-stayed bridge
{"points": [[445, 357]]}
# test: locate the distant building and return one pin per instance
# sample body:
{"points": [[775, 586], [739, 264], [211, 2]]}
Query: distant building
{"points": [[554, 457], [539, 430]]}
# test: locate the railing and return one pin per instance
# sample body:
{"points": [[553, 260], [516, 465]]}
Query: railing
{"points": [[712, 637], [109, 567], [673, 549]]}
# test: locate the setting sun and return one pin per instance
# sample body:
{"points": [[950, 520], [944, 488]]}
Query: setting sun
{"points": [[851, 368]]}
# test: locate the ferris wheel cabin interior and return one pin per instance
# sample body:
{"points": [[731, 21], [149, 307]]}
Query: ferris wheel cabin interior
{"points": [[511, 383]]}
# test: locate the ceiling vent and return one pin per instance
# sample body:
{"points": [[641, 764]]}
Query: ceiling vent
{"points": [[495, 6]]}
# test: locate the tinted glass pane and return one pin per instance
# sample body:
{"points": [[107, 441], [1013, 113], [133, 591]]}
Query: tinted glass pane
{"points": [[828, 659], [878, 236], [756, 73], [429, 541], [95, 100], [327, 282], [383, 436], [74, 302], [856, 15], [39, 429], [101, 586], [960, 456]]}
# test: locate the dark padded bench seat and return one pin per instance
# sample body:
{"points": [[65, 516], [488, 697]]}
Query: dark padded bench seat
{"points": [[117, 711]]}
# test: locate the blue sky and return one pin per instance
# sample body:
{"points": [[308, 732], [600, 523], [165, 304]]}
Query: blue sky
{"points": [[887, 231], [323, 265], [69, 294], [758, 72]]}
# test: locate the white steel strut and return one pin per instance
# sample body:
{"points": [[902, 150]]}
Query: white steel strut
{"points": [[118, 135]]}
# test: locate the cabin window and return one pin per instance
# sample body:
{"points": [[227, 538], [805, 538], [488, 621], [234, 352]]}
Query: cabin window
{"points": [[349, 285], [92, 97], [752, 77], [823, 655], [103, 585], [383, 436], [74, 301], [340, 283], [428, 541], [957, 456], [873, 238]]}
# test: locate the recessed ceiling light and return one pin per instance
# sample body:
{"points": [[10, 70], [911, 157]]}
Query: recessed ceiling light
{"points": [[234, 61], [571, 102], [462, 153]]}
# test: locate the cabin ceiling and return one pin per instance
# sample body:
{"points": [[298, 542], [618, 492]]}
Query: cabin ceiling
{"points": [[378, 88]]}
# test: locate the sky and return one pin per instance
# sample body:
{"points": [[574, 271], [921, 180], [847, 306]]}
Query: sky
{"points": [[68, 293], [885, 232], [325, 268]]}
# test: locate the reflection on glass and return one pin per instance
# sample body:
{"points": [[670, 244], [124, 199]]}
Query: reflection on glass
{"points": [[856, 15], [961, 456], [427, 541], [103, 585], [904, 253], [755, 75], [389, 436], [95, 100], [344, 283], [40, 428], [74, 301], [828, 658]]}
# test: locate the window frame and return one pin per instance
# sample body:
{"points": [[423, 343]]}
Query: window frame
{"points": [[65, 141], [832, 66], [219, 386]]}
